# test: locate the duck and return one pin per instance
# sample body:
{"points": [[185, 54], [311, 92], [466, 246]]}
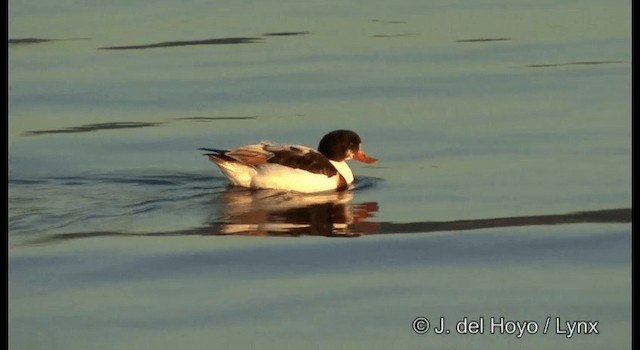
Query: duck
{"points": [[295, 168]]}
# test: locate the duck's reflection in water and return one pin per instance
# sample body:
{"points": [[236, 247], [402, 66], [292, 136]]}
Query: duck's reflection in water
{"points": [[278, 213]]}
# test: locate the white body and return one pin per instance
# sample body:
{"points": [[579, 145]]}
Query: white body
{"points": [[276, 176]]}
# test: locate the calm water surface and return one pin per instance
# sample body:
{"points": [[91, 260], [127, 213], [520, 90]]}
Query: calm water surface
{"points": [[503, 187]]}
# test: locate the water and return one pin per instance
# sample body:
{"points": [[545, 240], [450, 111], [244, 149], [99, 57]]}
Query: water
{"points": [[503, 187]]}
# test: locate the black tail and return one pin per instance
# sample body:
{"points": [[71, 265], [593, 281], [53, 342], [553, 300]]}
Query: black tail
{"points": [[213, 151], [217, 155]]}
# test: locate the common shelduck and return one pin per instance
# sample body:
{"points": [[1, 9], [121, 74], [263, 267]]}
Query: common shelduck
{"points": [[292, 167]]}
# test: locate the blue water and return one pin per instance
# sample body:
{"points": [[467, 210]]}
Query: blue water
{"points": [[503, 187]]}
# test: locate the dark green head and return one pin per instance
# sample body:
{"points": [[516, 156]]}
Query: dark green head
{"points": [[340, 145]]}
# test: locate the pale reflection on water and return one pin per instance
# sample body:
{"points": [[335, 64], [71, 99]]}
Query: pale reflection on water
{"points": [[272, 212]]}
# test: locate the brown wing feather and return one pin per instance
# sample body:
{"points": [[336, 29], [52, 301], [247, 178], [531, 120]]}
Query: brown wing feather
{"points": [[300, 157], [249, 155]]}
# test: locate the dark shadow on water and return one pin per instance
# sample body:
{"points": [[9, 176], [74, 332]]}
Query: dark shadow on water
{"points": [[622, 215], [481, 40], [205, 119], [387, 21], [24, 41], [401, 35], [215, 41], [286, 33], [93, 127], [581, 63]]}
